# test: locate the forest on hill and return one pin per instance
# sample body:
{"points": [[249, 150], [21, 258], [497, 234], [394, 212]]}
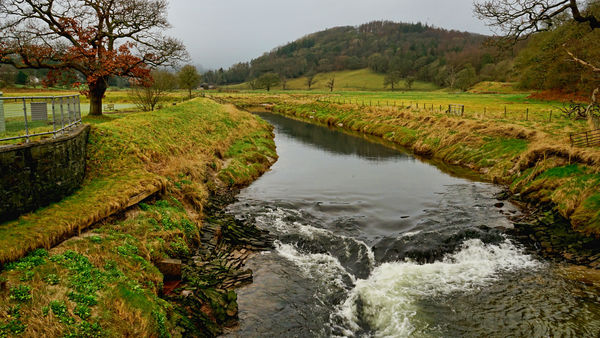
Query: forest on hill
{"points": [[418, 51]]}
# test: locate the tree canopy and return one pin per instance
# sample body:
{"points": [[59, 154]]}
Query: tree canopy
{"points": [[417, 50], [189, 78], [95, 38]]}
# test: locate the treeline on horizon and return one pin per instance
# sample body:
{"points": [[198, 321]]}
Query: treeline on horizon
{"points": [[412, 50], [447, 58]]}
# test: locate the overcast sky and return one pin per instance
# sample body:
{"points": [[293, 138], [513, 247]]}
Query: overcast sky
{"points": [[219, 33]]}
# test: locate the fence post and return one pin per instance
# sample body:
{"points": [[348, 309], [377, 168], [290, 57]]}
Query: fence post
{"points": [[26, 125], [462, 111], [527, 115], [587, 140], [550, 115], [79, 108], [504, 111], [53, 119], [2, 123], [571, 138], [62, 111]]}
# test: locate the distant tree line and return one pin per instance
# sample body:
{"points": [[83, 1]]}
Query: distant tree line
{"points": [[399, 50]]}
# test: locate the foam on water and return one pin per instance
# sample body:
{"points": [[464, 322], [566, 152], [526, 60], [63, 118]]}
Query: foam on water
{"points": [[322, 267], [388, 298]]}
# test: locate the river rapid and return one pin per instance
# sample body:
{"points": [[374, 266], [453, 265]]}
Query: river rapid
{"points": [[371, 242]]}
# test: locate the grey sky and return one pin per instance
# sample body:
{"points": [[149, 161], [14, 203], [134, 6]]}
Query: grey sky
{"points": [[219, 33]]}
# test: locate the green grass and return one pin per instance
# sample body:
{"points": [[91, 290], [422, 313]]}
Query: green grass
{"points": [[362, 79], [135, 155], [105, 283]]}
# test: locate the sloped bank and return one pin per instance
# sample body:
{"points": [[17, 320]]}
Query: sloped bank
{"points": [[105, 282], [560, 184]]}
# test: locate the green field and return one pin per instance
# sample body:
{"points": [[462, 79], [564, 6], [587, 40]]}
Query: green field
{"points": [[362, 79]]}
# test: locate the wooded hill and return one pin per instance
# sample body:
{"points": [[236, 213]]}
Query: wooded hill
{"points": [[410, 50]]}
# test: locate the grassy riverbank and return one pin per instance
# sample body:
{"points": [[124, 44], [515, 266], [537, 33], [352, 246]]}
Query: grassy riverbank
{"points": [[533, 158], [104, 282]]}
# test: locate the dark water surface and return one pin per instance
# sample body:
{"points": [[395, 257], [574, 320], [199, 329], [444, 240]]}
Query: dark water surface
{"points": [[372, 242]]}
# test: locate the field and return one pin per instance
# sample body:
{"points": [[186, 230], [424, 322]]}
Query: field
{"points": [[362, 79]]}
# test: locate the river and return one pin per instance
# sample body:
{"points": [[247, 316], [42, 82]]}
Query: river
{"points": [[371, 241]]}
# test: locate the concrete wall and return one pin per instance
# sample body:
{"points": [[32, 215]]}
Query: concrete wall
{"points": [[36, 174]]}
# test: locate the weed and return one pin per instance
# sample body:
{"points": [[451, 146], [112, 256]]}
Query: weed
{"points": [[82, 311], [52, 279], [59, 309], [21, 293]]}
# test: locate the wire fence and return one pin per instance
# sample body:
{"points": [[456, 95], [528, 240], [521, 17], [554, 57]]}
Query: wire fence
{"points": [[31, 116]]}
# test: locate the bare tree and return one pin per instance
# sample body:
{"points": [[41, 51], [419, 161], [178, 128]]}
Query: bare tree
{"points": [[189, 78], [310, 80], [96, 38], [148, 95], [518, 19], [331, 84]]}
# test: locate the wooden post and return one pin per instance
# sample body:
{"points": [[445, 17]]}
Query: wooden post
{"points": [[462, 112], [587, 140], [504, 111], [550, 116], [527, 115]]}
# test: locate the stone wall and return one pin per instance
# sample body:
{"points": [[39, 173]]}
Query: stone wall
{"points": [[36, 174]]}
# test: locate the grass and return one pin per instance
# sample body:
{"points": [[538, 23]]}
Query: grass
{"points": [[132, 156], [533, 157], [347, 80], [104, 283]]}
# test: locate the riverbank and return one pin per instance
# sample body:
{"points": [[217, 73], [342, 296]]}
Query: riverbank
{"points": [[539, 168], [145, 196]]}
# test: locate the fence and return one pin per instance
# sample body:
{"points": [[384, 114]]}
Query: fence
{"points": [[26, 117], [586, 139], [502, 113]]}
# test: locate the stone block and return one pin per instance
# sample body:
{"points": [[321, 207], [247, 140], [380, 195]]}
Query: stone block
{"points": [[170, 268]]}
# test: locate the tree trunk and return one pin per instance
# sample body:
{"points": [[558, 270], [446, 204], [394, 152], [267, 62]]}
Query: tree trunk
{"points": [[97, 90]]}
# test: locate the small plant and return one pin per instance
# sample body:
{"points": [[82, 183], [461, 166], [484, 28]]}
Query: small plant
{"points": [[82, 299], [52, 279], [95, 239], [59, 309], [83, 312], [21, 293], [45, 310], [27, 276]]}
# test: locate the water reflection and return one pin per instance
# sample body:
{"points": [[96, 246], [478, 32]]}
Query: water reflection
{"points": [[331, 140]]}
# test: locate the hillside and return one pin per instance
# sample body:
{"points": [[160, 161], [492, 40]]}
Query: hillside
{"points": [[427, 53], [360, 79]]}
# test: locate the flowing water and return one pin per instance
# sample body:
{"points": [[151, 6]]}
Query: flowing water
{"points": [[373, 242]]}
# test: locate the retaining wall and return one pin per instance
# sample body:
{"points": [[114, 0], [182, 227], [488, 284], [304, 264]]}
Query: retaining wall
{"points": [[36, 174]]}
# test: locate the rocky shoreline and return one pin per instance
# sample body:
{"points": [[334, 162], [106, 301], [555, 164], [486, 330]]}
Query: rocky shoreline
{"points": [[543, 231], [205, 295]]}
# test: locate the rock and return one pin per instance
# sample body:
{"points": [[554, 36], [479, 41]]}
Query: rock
{"points": [[499, 205], [568, 256], [170, 268], [187, 293]]}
